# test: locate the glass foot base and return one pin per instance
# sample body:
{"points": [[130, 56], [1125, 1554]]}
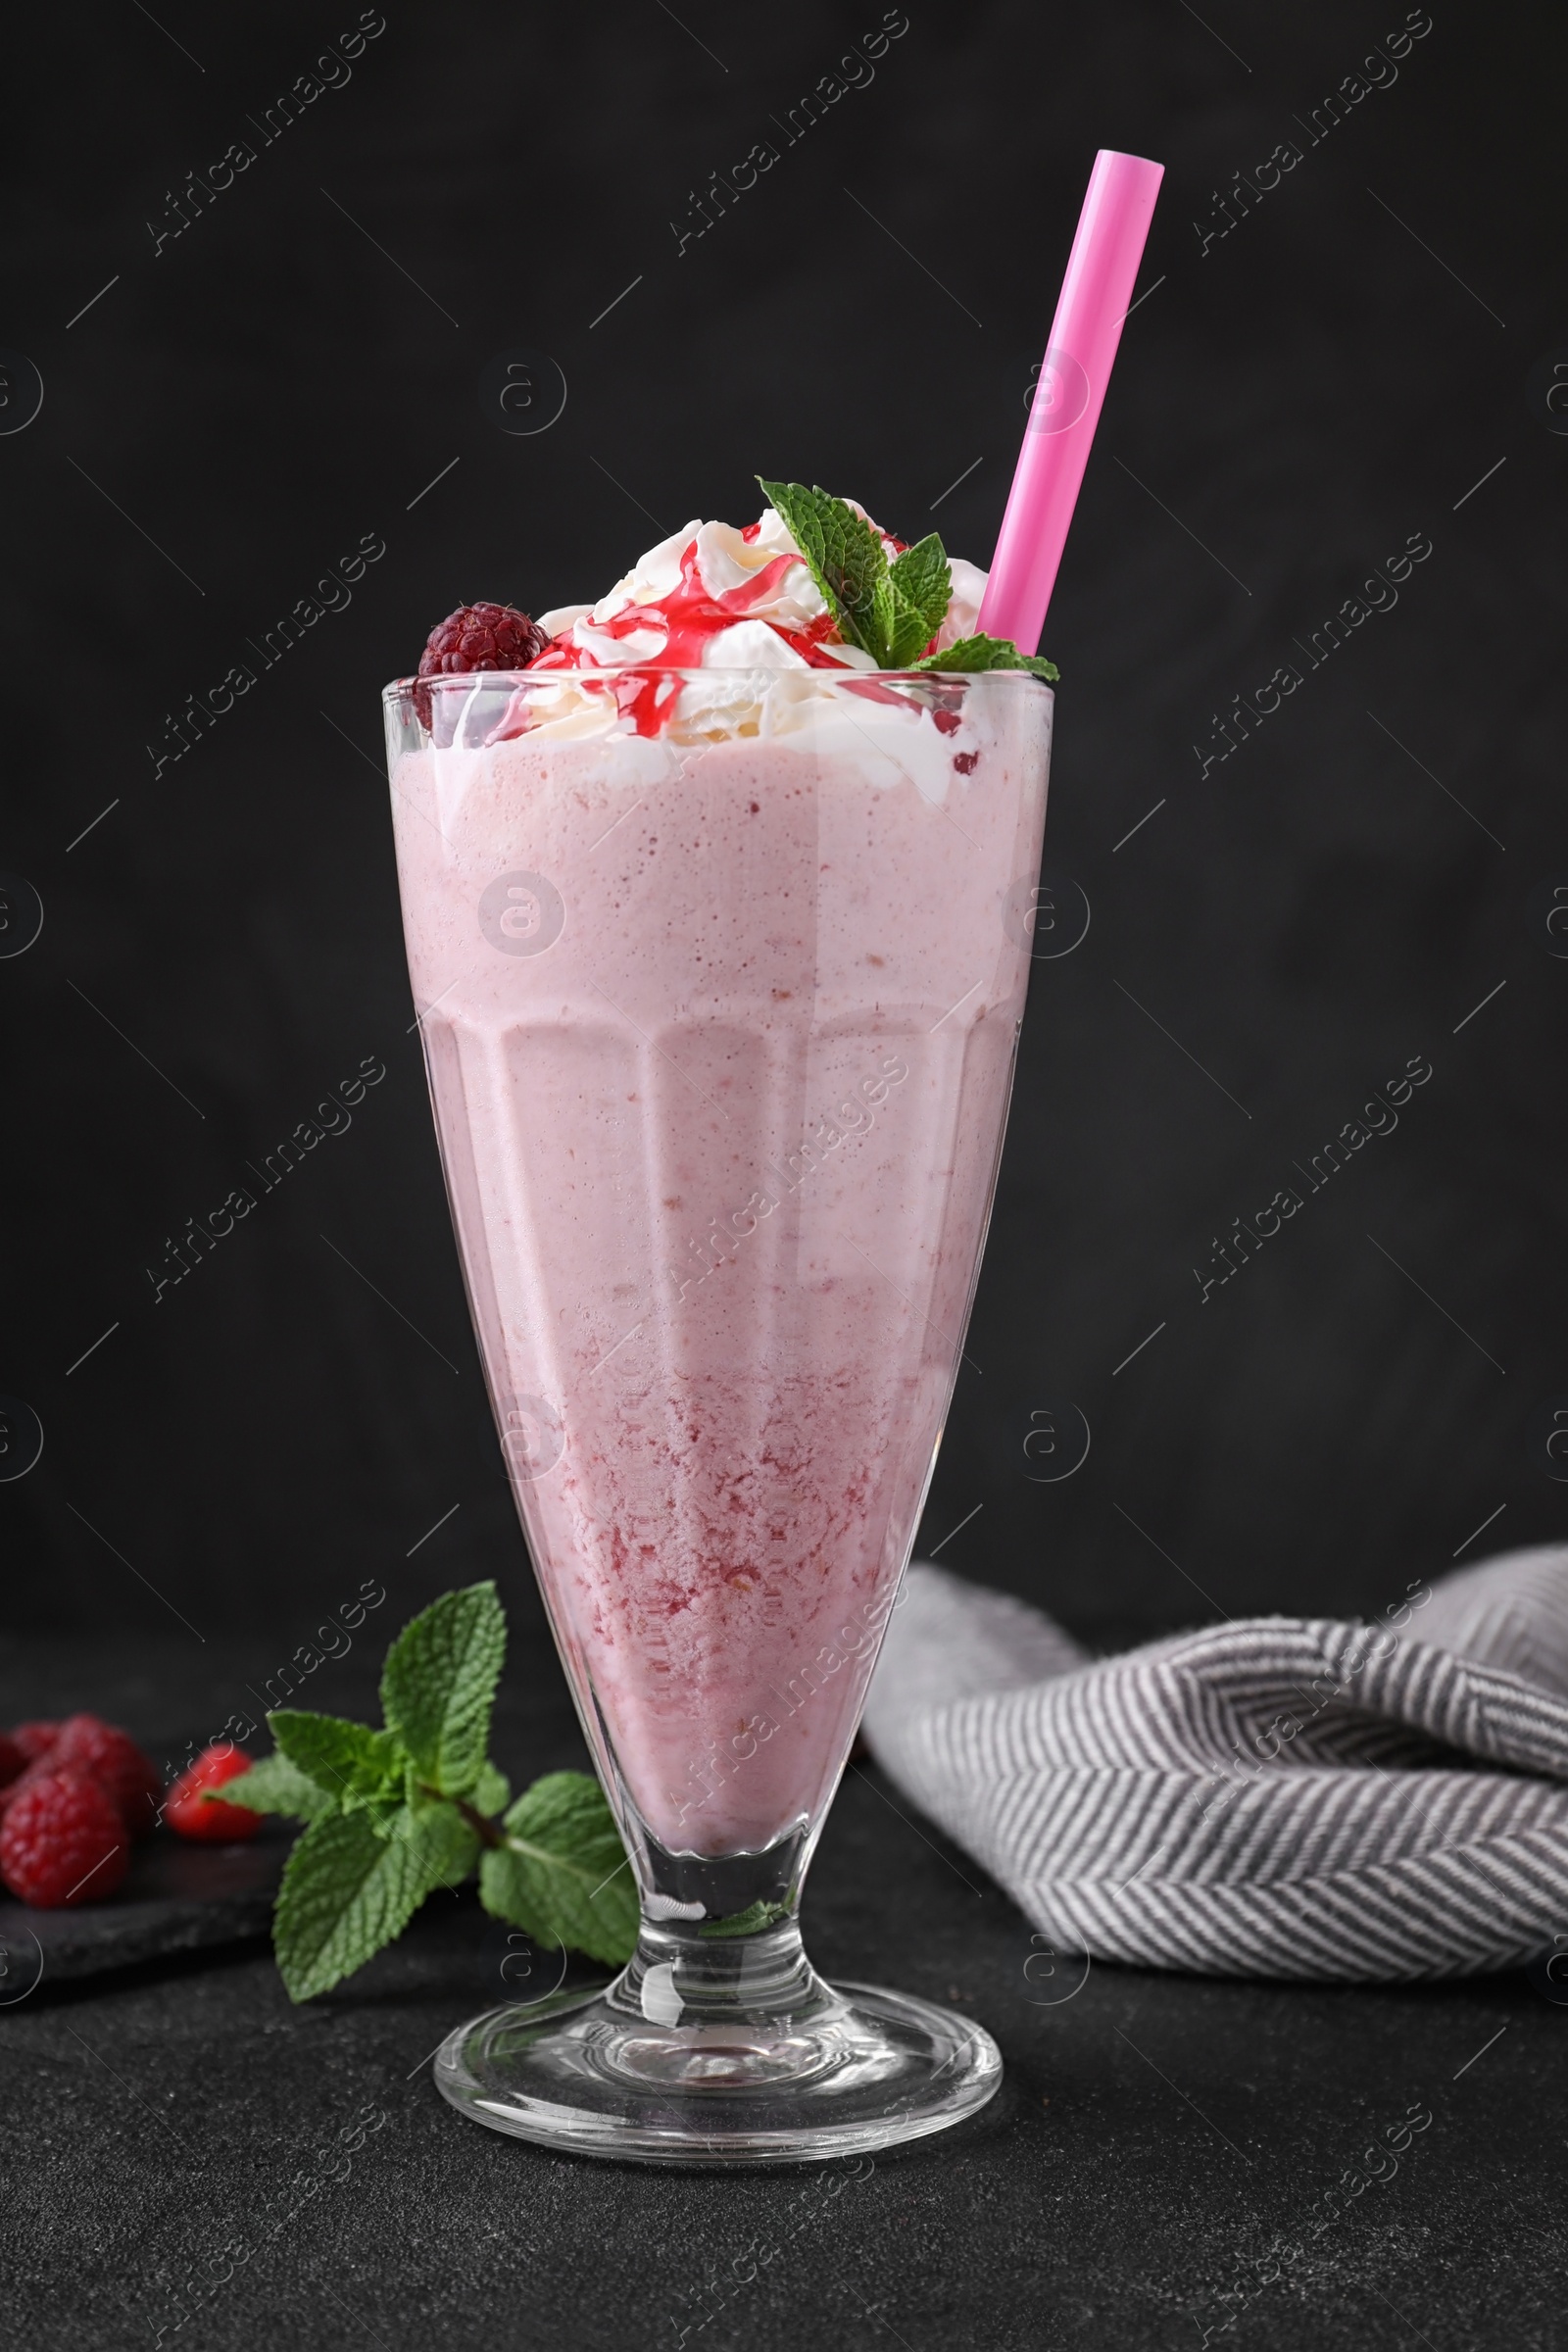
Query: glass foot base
{"points": [[619, 2073]]}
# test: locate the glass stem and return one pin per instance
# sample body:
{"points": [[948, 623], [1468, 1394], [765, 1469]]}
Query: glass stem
{"points": [[679, 1977]]}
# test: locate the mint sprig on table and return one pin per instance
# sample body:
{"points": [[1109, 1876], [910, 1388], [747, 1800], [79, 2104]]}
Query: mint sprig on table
{"points": [[391, 1815], [890, 610]]}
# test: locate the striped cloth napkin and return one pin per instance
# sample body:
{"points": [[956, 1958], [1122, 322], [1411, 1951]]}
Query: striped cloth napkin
{"points": [[1280, 1796]]}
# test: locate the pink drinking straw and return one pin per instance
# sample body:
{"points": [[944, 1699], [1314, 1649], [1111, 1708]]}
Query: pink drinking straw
{"points": [[1084, 334]]}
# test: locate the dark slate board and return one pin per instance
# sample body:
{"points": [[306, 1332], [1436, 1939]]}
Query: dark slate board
{"points": [[176, 1897]]}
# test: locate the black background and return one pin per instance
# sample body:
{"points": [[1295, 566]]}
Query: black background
{"points": [[219, 950]]}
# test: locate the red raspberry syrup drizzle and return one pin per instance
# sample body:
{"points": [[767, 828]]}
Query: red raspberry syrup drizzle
{"points": [[690, 616]]}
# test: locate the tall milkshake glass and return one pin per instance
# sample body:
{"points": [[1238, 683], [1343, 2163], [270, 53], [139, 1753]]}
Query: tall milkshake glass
{"points": [[721, 977]]}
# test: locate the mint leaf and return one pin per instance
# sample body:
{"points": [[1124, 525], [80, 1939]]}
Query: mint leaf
{"points": [[446, 1844], [273, 1784], [989, 653], [756, 1915], [562, 1873], [439, 1683], [845, 558], [890, 610], [348, 1760], [920, 583], [345, 1893], [393, 1814]]}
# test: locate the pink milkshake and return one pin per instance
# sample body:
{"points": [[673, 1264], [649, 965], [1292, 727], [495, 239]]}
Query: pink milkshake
{"points": [[716, 896]]}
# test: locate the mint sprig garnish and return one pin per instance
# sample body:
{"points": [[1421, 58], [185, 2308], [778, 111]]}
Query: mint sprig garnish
{"points": [[990, 652], [393, 1814], [919, 585], [890, 610], [843, 555]]}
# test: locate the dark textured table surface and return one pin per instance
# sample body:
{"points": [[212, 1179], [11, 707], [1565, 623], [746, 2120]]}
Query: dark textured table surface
{"points": [[191, 2160]]}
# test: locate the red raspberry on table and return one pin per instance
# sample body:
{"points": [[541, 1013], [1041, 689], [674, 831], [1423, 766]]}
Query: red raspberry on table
{"points": [[63, 1841], [188, 1810], [110, 1756], [473, 638], [13, 1760], [36, 1738], [23, 1779]]}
